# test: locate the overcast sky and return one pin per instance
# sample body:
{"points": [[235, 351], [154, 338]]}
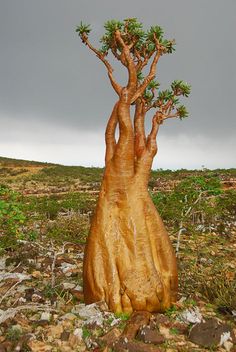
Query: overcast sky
{"points": [[55, 97]]}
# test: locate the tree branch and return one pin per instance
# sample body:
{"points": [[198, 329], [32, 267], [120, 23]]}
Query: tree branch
{"points": [[152, 72], [139, 129], [139, 59], [114, 84], [110, 134], [120, 57], [151, 140], [132, 82], [146, 59], [171, 116], [148, 79]]}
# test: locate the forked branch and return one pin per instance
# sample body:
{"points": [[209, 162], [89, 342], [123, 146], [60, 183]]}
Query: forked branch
{"points": [[129, 62], [110, 70], [152, 72]]}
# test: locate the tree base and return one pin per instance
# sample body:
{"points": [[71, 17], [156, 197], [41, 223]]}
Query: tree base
{"points": [[129, 260]]}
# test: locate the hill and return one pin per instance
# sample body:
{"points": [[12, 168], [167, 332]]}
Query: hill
{"points": [[9, 162], [33, 177]]}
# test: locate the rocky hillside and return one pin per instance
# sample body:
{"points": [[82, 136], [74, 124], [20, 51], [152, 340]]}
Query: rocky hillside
{"points": [[45, 213]]}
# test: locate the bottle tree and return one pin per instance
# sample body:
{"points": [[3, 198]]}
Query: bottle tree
{"points": [[129, 261]]}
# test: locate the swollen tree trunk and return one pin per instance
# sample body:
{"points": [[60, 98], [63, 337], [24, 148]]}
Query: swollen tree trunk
{"points": [[129, 260]]}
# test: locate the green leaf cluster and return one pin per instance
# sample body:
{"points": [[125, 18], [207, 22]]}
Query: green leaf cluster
{"points": [[169, 46], [153, 84], [181, 88], [158, 33], [178, 88], [108, 38], [83, 29], [182, 112], [149, 92], [112, 25], [165, 95], [155, 31], [140, 76], [131, 31]]}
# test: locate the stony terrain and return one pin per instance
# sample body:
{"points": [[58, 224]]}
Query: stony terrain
{"points": [[41, 288]]}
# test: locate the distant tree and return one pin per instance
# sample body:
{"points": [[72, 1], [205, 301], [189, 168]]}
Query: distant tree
{"points": [[129, 260]]}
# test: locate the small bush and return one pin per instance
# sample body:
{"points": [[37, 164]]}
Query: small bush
{"points": [[12, 217], [85, 174], [191, 199], [72, 228], [221, 292], [49, 207], [14, 333]]}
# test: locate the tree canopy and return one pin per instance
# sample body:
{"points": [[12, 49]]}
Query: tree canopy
{"points": [[137, 49]]}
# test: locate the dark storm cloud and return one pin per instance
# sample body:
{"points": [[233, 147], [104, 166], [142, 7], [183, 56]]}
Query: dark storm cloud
{"points": [[47, 76]]}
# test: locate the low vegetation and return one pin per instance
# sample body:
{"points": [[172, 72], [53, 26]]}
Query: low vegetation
{"points": [[54, 205]]}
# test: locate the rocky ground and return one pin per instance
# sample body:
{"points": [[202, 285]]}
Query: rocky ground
{"points": [[41, 287], [42, 309]]}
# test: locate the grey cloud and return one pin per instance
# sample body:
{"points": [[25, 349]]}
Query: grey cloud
{"points": [[48, 77], [67, 147]]}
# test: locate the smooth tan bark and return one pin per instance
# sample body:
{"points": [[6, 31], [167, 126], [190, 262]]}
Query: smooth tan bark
{"points": [[129, 260]]}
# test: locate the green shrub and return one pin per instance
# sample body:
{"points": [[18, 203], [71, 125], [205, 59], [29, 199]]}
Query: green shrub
{"points": [[14, 333], [221, 292], [12, 217], [226, 204], [48, 207], [69, 228], [68, 173], [194, 195]]}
